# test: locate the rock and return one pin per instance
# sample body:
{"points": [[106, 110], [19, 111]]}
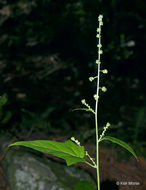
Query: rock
{"points": [[26, 170]]}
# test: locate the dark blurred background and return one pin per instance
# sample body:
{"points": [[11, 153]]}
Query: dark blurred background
{"points": [[48, 50]]}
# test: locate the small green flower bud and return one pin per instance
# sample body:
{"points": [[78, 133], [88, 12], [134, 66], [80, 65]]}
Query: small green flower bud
{"points": [[98, 29], [100, 18], [104, 89], [105, 71], [91, 79], [108, 124], [99, 45], [83, 101], [78, 143], [98, 62], [101, 23], [72, 138], [100, 52], [98, 36], [95, 96]]}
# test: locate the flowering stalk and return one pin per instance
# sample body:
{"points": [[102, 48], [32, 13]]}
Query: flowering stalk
{"points": [[97, 95]]}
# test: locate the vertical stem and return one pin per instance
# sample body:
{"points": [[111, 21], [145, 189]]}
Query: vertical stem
{"points": [[96, 109]]}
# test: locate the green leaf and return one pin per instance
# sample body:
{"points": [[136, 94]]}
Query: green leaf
{"points": [[67, 150], [3, 100], [84, 109], [84, 185], [121, 143], [7, 117]]}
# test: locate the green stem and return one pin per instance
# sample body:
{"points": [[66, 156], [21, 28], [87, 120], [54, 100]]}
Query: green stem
{"points": [[97, 156], [93, 166], [91, 159], [96, 114]]}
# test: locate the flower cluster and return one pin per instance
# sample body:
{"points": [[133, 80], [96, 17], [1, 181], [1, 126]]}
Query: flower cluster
{"points": [[100, 19], [76, 141], [92, 159], [104, 130], [87, 105]]}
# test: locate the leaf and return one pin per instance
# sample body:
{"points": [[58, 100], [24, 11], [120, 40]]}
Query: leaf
{"points": [[67, 150], [3, 100], [84, 185], [84, 109], [7, 117], [121, 143]]}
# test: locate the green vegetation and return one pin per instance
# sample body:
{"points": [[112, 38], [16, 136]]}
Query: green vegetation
{"points": [[74, 153], [43, 42], [47, 54]]}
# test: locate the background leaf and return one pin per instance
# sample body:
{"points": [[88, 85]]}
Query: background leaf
{"points": [[121, 143], [84, 185], [3, 100], [67, 150]]}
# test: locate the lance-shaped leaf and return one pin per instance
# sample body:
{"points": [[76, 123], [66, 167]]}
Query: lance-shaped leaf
{"points": [[121, 143], [67, 150]]}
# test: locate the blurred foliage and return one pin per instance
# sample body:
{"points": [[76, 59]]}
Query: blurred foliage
{"points": [[47, 53], [36, 121], [5, 116], [84, 185]]}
